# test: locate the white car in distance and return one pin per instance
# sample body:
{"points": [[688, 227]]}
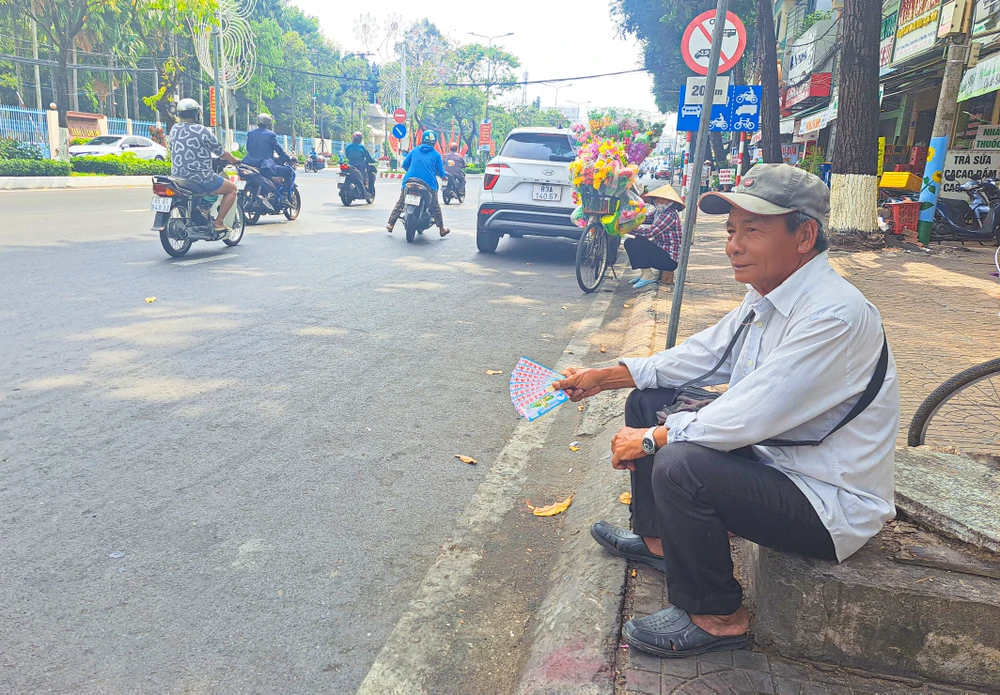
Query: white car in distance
{"points": [[141, 147]]}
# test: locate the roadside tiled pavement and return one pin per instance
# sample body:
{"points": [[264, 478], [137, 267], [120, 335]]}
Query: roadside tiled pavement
{"points": [[940, 314]]}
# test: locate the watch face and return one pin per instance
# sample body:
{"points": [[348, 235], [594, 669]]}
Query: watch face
{"points": [[648, 445]]}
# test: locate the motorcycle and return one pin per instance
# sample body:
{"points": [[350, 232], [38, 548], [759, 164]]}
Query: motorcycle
{"points": [[975, 220], [184, 214], [314, 164], [352, 184], [417, 210], [260, 196], [454, 187]]}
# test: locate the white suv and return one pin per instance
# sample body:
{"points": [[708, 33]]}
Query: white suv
{"points": [[526, 188]]}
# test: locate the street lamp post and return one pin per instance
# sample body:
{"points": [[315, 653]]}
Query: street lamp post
{"points": [[489, 62], [578, 104], [556, 86]]}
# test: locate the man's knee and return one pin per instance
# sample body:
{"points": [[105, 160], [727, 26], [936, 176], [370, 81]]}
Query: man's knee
{"points": [[676, 466], [641, 406], [227, 188]]}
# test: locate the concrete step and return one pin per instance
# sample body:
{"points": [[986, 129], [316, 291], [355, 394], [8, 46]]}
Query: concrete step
{"points": [[875, 614]]}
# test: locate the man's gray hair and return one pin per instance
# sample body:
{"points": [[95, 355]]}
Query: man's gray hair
{"points": [[796, 219]]}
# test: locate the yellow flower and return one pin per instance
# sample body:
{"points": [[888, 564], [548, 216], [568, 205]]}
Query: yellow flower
{"points": [[936, 176], [930, 153]]}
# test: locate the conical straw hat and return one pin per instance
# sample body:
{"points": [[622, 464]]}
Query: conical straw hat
{"points": [[666, 192]]}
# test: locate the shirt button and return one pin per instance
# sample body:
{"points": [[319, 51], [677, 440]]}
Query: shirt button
{"points": [[749, 363], [759, 324]]}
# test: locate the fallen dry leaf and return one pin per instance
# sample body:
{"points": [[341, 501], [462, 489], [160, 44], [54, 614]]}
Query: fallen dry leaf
{"points": [[625, 498], [494, 372], [581, 408], [633, 573], [551, 509], [150, 300], [574, 446], [603, 349], [466, 459], [565, 307], [628, 306]]}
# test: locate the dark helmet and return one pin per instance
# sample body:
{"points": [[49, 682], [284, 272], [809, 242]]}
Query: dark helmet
{"points": [[189, 110], [265, 120], [357, 137], [429, 138]]}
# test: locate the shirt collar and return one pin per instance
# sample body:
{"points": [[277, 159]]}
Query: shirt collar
{"points": [[784, 296]]}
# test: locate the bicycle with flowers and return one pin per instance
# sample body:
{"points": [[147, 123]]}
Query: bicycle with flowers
{"points": [[604, 176]]}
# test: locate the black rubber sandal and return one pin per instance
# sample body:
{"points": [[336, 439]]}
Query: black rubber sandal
{"points": [[670, 634]]}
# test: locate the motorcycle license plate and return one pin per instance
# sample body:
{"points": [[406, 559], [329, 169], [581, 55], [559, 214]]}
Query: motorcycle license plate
{"points": [[240, 185], [543, 191], [160, 204], [413, 200]]}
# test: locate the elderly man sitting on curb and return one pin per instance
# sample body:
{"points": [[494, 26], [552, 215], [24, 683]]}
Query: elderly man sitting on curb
{"points": [[796, 455]]}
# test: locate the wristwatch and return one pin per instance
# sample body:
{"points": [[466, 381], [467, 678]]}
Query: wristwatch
{"points": [[648, 442]]}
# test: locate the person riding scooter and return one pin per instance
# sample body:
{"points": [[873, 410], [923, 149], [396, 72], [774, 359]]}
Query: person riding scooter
{"points": [[192, 148], [262, 145], [361, 160], [423, 163], [454, 165]]}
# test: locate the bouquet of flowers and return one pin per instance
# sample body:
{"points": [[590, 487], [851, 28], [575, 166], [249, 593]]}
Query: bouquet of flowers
{"points": [[607, 166]]}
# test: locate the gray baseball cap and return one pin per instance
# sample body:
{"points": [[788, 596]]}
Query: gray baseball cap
{"points": [[773, 189]]}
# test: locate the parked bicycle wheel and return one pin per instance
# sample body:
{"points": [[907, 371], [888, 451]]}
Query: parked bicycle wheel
{"points": [[963, 412], [592, 257]]}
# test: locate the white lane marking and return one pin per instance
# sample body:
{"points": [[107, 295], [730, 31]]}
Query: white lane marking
{"points": [[139, 210], [207, 259], [422, 637]]}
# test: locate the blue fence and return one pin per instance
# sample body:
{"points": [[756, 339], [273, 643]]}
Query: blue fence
{"points": [[117, 126], [26, 125], [240, 137]]}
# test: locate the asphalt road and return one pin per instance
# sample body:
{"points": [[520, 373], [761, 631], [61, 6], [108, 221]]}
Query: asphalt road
{"points": [[239, 486]]}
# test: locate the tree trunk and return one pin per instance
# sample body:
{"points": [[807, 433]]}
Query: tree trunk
{"points": [[61, 85], [719, 152], [854, 185], [770, 114]]}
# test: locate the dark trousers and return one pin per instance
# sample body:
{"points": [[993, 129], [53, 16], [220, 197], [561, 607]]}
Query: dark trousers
{"points": [[690, 497], [643, 253]]}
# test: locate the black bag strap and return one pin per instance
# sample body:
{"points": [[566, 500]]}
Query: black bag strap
{"points": [[874, 386], [725, 356], [870, 392]]}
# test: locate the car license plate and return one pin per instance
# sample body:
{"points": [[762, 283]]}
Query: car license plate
{"points": [[413, 200], [160, 204], [543, 191], [240, 185]]}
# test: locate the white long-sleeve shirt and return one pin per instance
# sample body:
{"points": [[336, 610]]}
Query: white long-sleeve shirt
{"points": [[795, 374]]}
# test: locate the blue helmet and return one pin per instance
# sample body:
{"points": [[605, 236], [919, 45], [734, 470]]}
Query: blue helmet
{"points": [[429, 138]]}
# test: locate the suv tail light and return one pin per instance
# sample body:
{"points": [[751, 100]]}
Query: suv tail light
{"points": [[163, 190], [492, 175], [345, 167]]}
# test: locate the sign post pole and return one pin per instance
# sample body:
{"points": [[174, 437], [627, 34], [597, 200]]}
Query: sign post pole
{"points": [[701, 143]]}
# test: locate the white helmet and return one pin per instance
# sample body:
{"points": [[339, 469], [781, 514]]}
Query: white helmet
{"points": [[265, 119], [189, 109]]}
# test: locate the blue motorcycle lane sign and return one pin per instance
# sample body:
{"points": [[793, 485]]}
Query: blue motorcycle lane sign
{"points": [[741, 112]]}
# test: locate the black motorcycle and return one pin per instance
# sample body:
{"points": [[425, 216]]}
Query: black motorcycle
{"points": [[454, 188], [975, 220], [353, 186], [260, 196], [417, 210], [185, 214]]}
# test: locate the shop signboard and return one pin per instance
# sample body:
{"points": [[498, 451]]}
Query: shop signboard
{"points": [[981, 79], [887, 41], [816, 43], [987, 17], [987, 138], [726, 176], [881, 155], [916, 28], [818, 85], [964, 165]]}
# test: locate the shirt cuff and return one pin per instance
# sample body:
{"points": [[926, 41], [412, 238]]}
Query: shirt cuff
{"points": [[642, 370], [678, 426]]}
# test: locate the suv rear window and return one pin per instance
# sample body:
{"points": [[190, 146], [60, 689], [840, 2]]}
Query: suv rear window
{"points": [[544, 147]]}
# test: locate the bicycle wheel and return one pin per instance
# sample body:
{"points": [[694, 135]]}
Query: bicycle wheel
{"points": [[592, 257], [963, 413]]}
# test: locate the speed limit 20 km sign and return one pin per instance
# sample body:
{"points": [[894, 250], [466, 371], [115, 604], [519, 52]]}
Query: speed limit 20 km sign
{"points": [[696, 45]]}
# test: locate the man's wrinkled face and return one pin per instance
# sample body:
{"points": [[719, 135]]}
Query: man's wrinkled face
{"points": [[762, 251]]}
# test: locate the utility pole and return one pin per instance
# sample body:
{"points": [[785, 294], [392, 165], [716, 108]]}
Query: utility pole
{"points": [[402, 78], [944, 123], [694, 184], [217, 32], [38, 72], [524, 90], [74, 97]]}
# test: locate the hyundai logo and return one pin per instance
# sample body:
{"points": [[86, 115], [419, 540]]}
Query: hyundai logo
{"points": [[549, 172]]}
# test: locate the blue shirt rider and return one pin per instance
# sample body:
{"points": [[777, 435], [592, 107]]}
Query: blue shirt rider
{"points": [[262, 145], [423, 164], [361, 159]]}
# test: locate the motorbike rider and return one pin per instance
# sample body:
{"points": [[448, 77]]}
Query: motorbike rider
{"points": [[192, 147], [262, 145], [361, 159], [454, 164], [423, 163]]}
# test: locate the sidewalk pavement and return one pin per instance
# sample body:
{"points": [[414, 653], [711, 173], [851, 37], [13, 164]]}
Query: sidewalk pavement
{"points": [[31, 183], [940, 314]]}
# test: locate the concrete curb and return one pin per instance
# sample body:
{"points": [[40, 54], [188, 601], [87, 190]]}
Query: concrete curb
{"points": [[28, 183], [575, 638]]}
